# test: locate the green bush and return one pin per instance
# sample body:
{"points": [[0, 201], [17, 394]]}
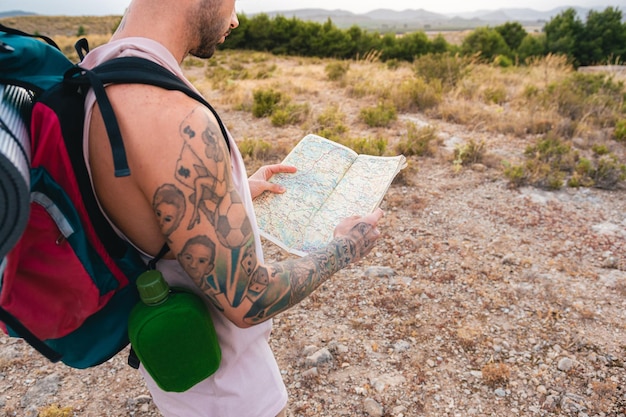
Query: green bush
{"points": [[265, 102], [593, 97], [367, 146], [330, 124], [516, 174], [620, 131], [557, 154], [418, 141], [503, 61], [336, 71], [468, 154], [380, 116], [289, 114], [255, 149], [417, 94], [582, 174], [609, 172], [447, 68], [551, 163]]}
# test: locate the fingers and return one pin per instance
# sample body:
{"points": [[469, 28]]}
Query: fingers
{"points": [[259, 181], [269, 170], [371, 220]]}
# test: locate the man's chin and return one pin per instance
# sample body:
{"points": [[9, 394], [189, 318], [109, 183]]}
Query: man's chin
{"points": [[203, 54]]}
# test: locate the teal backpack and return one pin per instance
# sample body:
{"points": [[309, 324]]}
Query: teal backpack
{"points": [[67, 279]]}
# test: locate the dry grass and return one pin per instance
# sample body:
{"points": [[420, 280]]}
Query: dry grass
{"points": [[54, 26], [496, 374]]}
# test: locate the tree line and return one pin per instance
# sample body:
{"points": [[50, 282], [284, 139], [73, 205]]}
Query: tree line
{"points": [[599, 39]]}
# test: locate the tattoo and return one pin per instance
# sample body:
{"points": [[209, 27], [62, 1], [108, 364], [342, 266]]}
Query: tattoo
{"points": [[198, 259], [236, 280], [168, 204], [232, 224], [201, 166], [290, 282]]}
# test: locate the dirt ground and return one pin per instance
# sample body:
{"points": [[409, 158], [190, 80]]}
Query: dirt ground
{"points": [[479, 300]]}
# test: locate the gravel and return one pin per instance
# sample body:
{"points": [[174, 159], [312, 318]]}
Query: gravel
{"points": [[480, 300]]}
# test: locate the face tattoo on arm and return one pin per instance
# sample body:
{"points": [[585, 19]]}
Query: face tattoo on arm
{"points": [[169, 206]]}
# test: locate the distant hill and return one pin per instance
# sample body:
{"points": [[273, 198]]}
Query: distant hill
{"points": [[420, 19], [12, 13], [386, 20]]}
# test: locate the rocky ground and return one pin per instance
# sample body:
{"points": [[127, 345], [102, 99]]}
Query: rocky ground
{"points": [[480, 300]]}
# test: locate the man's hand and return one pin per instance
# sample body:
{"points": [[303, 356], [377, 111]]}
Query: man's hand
{"points": [[362, 230], [259, 181]]}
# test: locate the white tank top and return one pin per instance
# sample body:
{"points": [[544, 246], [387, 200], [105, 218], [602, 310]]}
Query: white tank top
{"points": [[248, 382]]}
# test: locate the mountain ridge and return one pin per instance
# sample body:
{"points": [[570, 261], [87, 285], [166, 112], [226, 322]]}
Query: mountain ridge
{"points": [[421, 19], [384, 19]]}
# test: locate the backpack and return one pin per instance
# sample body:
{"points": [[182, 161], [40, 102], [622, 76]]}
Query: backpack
{"points": [[68, 279]]}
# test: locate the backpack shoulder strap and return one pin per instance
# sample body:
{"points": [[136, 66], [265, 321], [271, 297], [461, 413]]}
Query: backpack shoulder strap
{"points": [[130, 70]]}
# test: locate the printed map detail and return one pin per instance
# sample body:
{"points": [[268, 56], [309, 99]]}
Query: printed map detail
{"points": [[332, 182]]}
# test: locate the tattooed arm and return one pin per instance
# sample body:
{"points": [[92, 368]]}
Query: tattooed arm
{"points": [[291, 281], [210, 233]]}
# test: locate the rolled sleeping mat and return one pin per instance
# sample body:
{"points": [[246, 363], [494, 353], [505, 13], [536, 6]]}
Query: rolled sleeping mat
{"points": [[15, 106]]}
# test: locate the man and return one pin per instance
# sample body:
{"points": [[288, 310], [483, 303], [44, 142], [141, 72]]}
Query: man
{"points": [[175, 144]]}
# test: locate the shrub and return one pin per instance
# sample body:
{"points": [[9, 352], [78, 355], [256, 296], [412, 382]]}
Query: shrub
{"points": [[495, 374], [496, 95], [336, 71], [516, 174], [620, 131], [392, 64], [380, 116], [600, 150], [552, 163], [594, 98], [609, 172], [470, 153], [368, 146], [447, 68], [254, 148], [417, 94], [289, 114], [330, 124], [265, 102], [582, 174], [418, 141], [558, 155], [503, 61]]}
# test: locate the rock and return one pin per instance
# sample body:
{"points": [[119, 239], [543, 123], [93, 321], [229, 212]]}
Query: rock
{"points": [[310, 373], [383, 382], [401, 346], [45, 388], [309, 350], [379, 272], [565, 364], [479, 168], [320, 357], [372, 408]]}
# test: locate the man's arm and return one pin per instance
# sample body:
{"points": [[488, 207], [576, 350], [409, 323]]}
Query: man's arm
{"points": [[210, 233]]}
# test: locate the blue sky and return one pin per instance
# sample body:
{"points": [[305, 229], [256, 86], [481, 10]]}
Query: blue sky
{"points": [[82, 7]]}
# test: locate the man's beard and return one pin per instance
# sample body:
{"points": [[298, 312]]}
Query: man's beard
{"points": [[210, 32]]}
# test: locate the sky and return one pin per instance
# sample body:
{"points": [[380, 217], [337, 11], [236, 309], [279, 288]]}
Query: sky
{"points": [[116, 7]]}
